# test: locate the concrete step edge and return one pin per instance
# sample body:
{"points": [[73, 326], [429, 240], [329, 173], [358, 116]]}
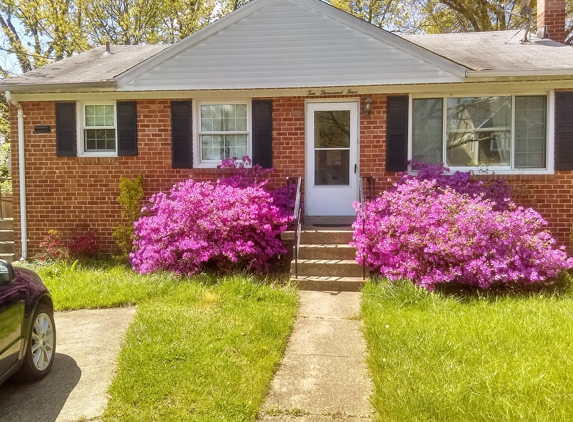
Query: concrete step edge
{"points": [[327, 262], [327, 246], [318, 283]]}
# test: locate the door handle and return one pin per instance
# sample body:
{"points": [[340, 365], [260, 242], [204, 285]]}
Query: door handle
{"points": [[355, 168]]}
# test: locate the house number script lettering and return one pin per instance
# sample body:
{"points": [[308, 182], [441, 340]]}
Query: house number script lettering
{"points": [[322, 92]]}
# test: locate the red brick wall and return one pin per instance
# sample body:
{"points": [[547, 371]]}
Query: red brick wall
{"points": [[65, 192], [551, 13]]}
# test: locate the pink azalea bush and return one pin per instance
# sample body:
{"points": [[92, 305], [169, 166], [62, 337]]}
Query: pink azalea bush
{"points": [[256, 176], [233, 223], [205, 223], [429, 232], [497, 191]]}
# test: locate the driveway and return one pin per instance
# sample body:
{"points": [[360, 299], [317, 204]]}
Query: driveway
{"points": [[88, 344]]}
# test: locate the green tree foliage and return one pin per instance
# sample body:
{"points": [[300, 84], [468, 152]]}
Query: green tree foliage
{"points": [[36, 32], [441, 16], [133, 22], [387, 14]]}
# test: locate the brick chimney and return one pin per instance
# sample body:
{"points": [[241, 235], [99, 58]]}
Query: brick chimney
{"points": [[551, 15]]}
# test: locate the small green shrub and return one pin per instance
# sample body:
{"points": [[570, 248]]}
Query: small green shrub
{"points": [[130, 198]]}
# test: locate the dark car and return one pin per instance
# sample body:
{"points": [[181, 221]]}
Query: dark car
{"points": [[27, 329]]}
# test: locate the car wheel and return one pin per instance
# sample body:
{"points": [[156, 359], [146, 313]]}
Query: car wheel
{"points": [[41, 346]]}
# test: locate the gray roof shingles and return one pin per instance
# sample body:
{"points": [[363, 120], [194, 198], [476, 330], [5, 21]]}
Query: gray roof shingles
{"points": [[90, 66], [496, 50]]}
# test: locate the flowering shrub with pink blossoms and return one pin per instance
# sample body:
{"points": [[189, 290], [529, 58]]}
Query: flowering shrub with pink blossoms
{"points": [[205, 223], [429, 232], [256, 176], [234, 223], [497, 191]]}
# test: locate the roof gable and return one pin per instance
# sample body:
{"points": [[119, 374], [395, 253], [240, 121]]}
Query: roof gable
{"points": [[287, 44]]}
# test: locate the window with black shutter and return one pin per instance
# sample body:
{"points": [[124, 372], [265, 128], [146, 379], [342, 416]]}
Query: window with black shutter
{"points": [[563, 131], [397, 133], [66, 133], [181, 134], [126, 128], [263, 133]]}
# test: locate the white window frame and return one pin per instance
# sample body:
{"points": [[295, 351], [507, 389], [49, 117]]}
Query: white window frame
{"points": [[198, 162], [549, 135], [81, 121]]}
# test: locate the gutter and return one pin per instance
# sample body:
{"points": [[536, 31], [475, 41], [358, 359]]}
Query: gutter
{"points": [[22, 175], [102, 86], [477, 74]]}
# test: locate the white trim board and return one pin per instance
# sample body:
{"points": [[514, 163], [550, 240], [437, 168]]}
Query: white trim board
{"points": [[237, 94]]}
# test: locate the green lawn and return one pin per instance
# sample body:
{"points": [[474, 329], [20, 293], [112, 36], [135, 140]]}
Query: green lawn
{"points": [[494, 357], [200, 348], [103, 284]]}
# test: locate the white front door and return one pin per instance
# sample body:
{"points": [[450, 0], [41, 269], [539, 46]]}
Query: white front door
{"points": [[331, 158]]}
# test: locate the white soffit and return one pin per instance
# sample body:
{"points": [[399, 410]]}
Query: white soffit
{"points": [[286, 44]]}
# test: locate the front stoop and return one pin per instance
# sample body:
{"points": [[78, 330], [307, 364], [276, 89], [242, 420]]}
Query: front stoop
{"points": [[7, 239], [326, 261]]}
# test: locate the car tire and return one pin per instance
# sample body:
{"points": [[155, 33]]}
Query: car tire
{"points": [[40, 347]]}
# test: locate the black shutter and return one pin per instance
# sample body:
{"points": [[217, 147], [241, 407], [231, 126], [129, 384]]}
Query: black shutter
{"points": [[126, 128], [66, 133], [564, 131], [263, 133], [181, 135], [397, 133]]}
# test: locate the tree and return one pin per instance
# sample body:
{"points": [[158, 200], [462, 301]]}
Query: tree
{"points": [[387, 14], [40, 31], [442, 16], [439, 16], [181, 18], [134, 22]]}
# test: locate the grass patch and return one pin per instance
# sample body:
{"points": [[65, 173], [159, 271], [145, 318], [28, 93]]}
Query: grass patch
{"points": [[472, 356], [202, 353], [102, 284]]}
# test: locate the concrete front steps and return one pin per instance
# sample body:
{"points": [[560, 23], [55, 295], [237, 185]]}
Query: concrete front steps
{"points": [[326, 261], [7, 239]]}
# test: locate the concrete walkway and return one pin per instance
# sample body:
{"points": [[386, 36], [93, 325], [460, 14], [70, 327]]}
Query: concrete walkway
{"points": [[88, 343], [323, 374]]}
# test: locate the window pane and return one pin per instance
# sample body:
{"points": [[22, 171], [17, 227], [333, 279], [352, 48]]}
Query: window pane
{"points": [[332, 129], [241, 123], [478, 131], [530, 116], [235, 146], [241, 111], [223, 118], [427, 130], [217, 124], [99, 140], [228, 111], [332, 167], [99, 115], [230, 125]]}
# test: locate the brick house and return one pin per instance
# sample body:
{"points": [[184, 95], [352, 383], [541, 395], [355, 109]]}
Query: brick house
{"points": [[305, 88]]}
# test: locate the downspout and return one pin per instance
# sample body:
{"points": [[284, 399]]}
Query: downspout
{"points": [[22, 175]]}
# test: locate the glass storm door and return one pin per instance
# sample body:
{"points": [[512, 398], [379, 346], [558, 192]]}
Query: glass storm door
{"points": [[331, 158]]}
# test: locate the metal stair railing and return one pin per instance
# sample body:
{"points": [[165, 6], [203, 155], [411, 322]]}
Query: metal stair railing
{"points": [[372, 191], [296, 216]]}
